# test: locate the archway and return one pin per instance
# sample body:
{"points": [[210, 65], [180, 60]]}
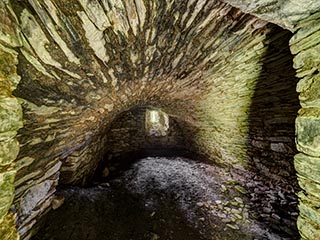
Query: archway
{"points": [[69, 88]]}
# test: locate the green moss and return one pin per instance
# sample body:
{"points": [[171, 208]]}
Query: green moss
{"points": [[307, 229], [307, 59], [308, 167], [7, 64], [6, 191], [310, 212], [8, 230], [10, 114], [311, 187], [8, 151], [308, 132]]}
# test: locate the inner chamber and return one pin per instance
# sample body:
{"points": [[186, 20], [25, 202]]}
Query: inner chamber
{"points": [[177, 117], [150, 185]]}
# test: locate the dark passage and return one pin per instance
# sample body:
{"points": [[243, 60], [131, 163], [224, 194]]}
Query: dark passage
{"points": [[157, 198]]}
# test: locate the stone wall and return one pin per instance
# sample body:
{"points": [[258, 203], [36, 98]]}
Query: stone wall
{"points": [[77, 81], [281, 12], [84, 63], [127, 135], [71, 92], [127, 139], [305, 45], [271, 137], [10, 118]]}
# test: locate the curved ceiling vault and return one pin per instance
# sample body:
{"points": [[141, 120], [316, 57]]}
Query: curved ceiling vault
{"points": [[83, 63]]}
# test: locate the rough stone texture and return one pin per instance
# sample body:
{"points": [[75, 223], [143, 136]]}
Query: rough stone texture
{"points": [[175, 198], [10, 118], [305, 44], [84, 63], [128, 134], [285, 13], [8, 230], [199, 65], [271, 137]]}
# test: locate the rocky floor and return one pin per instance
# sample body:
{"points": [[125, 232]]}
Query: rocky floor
{"points": [[169, 199]]}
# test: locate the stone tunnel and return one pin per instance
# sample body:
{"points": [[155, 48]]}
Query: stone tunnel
{"points": [[237, 82]]}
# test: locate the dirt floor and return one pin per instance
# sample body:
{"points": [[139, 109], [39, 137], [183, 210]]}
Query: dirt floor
{"points": [[158, 198]]}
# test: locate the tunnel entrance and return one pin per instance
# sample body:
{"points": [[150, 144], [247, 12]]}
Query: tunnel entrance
{"points": [[137, 133], [157, 123], [150, 186]]}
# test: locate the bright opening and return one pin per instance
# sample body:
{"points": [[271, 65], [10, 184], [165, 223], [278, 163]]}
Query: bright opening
{"points": [[157, 123]]}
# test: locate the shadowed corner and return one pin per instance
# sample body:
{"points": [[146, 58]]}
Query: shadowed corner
{"points": [[271, 138]]}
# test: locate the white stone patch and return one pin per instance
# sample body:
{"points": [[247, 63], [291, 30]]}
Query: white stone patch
{"points": [[34, 62], [141, 9], [177, 60], [34, 195], [46, 20], [104, 79], [208, 19], [23, 162], [134, 57], [95, 37], [117, 15], [184, 16], [197, 9], [40, 110], [96, 13], [153, 34], [132, 16], [36, 38], [169, 4], [108, 107], [149, 52], [114, 80], [52, 10], [38, 41], [279, 147]]}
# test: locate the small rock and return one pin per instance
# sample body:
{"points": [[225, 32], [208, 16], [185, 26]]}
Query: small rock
{"points": [[104, 184], [227, 209], [238, 216], [234, 227], [223, 188], [225, 220], [233, 219], [105, 172], [231, 182], [154, 236], [281, 195], [234, 203], [56, 202], [275, 216], [199, 204], [222, 215], [267, 210], [240, 189], [239, 200], [235, 211]]}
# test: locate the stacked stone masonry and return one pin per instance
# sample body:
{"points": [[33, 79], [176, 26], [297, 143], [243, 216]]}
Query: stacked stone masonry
{"points": [[128, 135], [10, 119], [210, 66], [305, 45]]}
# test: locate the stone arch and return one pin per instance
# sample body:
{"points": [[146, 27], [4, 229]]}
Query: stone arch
{"points": [[69, 83]]}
